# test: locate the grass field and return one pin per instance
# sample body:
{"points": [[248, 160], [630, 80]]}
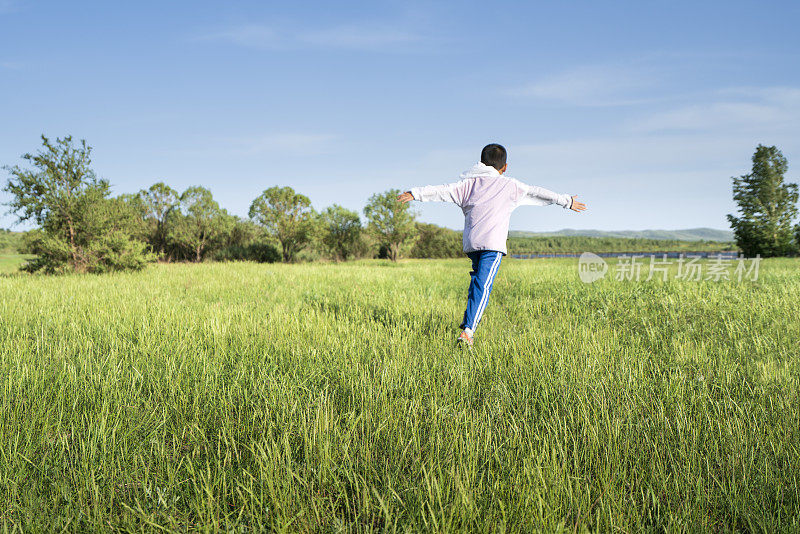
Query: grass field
{"points": [[10, 263], [310, 397]]}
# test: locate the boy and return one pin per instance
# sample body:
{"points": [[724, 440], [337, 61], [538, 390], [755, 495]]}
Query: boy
{"points": [[487, 199]]}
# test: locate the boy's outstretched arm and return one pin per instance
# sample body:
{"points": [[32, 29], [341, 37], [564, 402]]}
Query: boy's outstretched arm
{"points": [[453, 192], [533, 195]]}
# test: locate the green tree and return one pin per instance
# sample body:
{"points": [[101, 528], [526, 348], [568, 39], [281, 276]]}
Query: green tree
{"points": [[341, 232], [767, 206], [159, 201], [79, 227], [247, 241], [797, 236], [130, 212], [437, 242], [197, 224], [391, 222], [287, 217]]}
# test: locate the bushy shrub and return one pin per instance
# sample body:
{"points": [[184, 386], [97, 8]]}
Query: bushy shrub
{"points": [[258, 252], [437, 242]]}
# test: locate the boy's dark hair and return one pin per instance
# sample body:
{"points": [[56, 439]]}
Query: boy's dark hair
{"points": [[494, 155]]}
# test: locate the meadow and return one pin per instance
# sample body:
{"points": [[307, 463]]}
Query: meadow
{"points": [[11, 262], [329, 397]]}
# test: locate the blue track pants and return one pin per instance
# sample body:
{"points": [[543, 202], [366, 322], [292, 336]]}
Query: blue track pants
{"points": [[485, 264]]}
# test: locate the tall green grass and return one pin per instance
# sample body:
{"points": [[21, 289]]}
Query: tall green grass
{"points": [[246, 397]]}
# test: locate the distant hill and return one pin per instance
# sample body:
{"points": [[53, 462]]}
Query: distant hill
{"points": [[690, 234]]}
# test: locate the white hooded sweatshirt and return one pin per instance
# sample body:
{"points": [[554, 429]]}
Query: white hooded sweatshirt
{"points": [[487, 199]]}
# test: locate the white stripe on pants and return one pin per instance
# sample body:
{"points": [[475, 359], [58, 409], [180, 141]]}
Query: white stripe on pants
{"points": [[487, 288]]}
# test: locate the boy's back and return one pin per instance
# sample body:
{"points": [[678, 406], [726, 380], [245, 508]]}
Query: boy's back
{"points": [[487, 199]]}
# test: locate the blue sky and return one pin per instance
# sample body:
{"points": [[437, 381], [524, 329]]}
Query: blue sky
{"points": [[644, 109]]}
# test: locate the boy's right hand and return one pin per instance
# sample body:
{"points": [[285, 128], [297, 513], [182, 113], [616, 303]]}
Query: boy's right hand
{"points": [[577, 206], [405, 197]]}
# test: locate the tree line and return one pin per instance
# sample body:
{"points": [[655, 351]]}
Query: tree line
{"points": [[579, 244], [82, 227]]}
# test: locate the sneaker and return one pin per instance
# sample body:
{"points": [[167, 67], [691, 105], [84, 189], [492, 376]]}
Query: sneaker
{"points": [[464, 339]]}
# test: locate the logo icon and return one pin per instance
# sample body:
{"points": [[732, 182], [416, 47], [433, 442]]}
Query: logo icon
{"points": [[591, 267]]}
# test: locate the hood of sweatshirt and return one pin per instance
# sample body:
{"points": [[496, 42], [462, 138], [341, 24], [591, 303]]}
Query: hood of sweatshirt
{"points": [[479, 169]]}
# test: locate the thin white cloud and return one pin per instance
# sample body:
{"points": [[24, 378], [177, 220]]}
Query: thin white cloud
{"points": [[755, 110], [293, 143], [342, 37], [249, 35], [641, 157], [593, 86], [354, 37]]}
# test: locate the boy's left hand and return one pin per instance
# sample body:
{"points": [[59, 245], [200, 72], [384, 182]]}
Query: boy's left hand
{"points": [[577, 206], [405, 197]]}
